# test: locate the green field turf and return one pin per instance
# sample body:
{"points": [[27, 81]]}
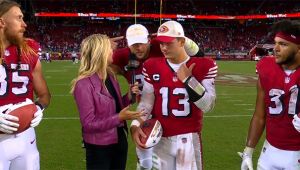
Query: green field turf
{"points": [[224, 131]]}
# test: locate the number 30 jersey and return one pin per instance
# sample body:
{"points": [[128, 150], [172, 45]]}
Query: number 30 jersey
{"points": [[16, 84], [282, 101], [171, 106]]}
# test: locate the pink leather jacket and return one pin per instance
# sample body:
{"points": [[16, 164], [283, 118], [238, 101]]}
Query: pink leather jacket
{"points": [[97, 110]]}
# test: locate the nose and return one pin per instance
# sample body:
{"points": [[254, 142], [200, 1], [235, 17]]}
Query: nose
{"points": [[24, 24], [163, 46], [276, 48]]}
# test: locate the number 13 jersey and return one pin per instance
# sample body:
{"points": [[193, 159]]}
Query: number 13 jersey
{"points": [[172, 107]]}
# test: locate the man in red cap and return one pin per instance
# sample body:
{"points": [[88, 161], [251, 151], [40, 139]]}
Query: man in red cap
{"points": [[177, 90], [277, 104]]}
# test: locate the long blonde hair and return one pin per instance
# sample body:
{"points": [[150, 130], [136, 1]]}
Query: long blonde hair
{"points": [[95, 50]]}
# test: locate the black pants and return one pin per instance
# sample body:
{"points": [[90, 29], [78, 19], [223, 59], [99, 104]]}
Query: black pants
{"points": [[108, 157]]}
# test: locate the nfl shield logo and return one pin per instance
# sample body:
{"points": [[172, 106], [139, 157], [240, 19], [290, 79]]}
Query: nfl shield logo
{"points": [[287, 80], [175, 79], [184, 140], [6, 53]]}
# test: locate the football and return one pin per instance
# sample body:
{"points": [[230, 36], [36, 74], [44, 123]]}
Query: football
{"points": [[153, 130], [25, 112]]}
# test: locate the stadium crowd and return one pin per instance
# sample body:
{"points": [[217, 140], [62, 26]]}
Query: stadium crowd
{"points": [[61, 36]]}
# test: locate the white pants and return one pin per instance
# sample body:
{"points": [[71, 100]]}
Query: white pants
{"points": [[144, 158], [19, 151], [180, 152], [272, 158]]}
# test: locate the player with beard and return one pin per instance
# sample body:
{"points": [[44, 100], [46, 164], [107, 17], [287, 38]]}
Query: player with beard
{"points": [[140, 48], [277, 104], [20, 76]]}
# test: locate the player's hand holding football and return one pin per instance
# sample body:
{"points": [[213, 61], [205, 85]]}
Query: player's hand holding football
{"points": [[136, 132], [296, 122], [184, 72], [246, 159], [8, 122], [38, 116]]}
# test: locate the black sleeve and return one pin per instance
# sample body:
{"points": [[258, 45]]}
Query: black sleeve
{"points": [[193, 96]]}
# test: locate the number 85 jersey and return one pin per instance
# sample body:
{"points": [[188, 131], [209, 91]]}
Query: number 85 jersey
{"points": [[16, 84], [172, 106], [282, 102]]}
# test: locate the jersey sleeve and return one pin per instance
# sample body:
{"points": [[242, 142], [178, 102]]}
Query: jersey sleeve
{"points": [[260, 64], [205, 68], [263, 64], [205, 72], [147, 71], [35, 46], [212, 69]]}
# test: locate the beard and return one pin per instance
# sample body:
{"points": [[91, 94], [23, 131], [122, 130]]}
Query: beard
{"points": [[291, 58], [15, 38]]}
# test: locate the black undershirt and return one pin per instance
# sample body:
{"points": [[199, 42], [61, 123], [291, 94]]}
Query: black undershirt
{"points": [[113, 93]]}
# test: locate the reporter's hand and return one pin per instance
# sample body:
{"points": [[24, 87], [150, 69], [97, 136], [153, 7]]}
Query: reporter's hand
{"points": [[126, 114], [8, 122], [136, 132], [296, 122], [246, 156]]}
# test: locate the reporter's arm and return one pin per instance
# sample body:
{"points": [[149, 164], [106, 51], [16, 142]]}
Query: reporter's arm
{"points": [[84, 99]]}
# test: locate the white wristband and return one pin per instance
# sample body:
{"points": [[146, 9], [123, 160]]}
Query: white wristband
{"points": [[248, 151], [135, 123]]}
